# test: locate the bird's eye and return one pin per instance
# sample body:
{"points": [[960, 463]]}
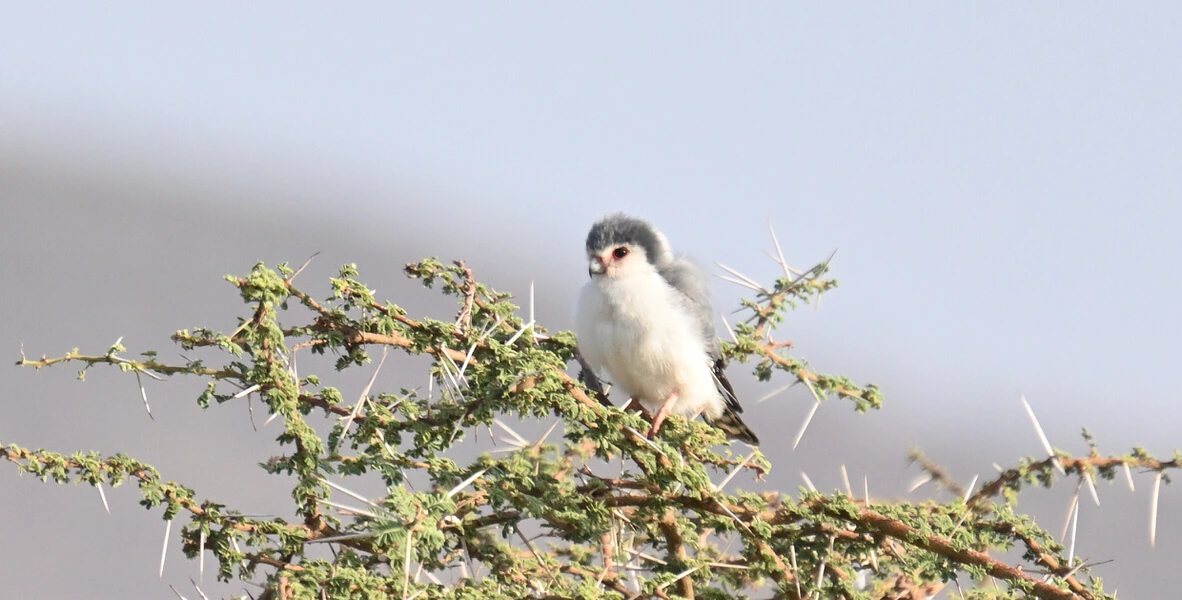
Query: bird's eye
{"points": [[619, 253]]}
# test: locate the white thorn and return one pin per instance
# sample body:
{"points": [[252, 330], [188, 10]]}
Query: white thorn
{"points": [[1046, 444], [963, 517], [639, 554], [152, 375], [293, 368], [364, 394], [303, 266], [201, 560], [777, 391], [491, 328], [1128, 476], [519, 332], [520, 441], [247, 391], [468, 358], [730, 331], [805, 425], [679, 577], [463, 484], [1074, 526], [779, 252], [143, 394], [845, 478], [238, 549], [531, 301], [445, 360], [919, 481], [198, 588], [1153, 509], [972, 484], [742, 283], [866, 489], [796, 580], [821, 569], [349, 492], [830, 259], [1092, 488], [103, 495], [340, 538], [345, 508], [542, 439], [750, 281], [726, 566], [734, 471], [808, 482], [1071, 508], [793, 270], [812, 390], [406, 564], [164, 549], [646, 441]]}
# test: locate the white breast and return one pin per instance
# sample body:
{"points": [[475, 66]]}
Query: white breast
{"points": [[639, 330]]}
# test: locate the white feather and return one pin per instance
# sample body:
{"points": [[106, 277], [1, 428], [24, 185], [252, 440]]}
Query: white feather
{"points": [[645, 335]]}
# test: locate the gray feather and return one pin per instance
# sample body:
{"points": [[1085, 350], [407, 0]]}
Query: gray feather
{"points": [[685, 276], [734, 427]]}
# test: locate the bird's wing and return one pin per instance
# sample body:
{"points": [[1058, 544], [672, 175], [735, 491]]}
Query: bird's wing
{"points": [[684, 276]]}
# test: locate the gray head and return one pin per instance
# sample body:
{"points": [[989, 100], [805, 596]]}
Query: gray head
{"points": [[618, 243], [620, 229]]}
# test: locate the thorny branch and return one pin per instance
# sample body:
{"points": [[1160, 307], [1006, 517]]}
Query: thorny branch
{"points": [[661, 501]]}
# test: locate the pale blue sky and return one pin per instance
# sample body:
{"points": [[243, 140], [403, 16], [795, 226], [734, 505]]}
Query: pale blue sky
{"points": [[1001, 181]]}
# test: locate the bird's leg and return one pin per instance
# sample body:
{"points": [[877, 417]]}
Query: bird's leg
{"points": [[666, 410]]}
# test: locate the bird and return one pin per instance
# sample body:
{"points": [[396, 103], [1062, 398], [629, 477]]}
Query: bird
{"points": [[645, 319]]}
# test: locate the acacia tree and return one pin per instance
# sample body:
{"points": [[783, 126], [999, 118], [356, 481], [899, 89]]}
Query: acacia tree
{"points": [[596, 510]]}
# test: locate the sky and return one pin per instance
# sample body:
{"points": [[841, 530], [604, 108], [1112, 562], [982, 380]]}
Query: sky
{"points": [[1000, 184]]}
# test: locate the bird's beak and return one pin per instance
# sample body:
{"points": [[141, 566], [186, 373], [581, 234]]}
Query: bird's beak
{"points": [[596, 267]]}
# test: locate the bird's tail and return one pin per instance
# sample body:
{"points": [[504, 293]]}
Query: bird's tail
{"points": [[733, 426]]}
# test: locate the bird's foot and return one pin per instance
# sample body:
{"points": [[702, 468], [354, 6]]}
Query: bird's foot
{"points": [[666, 410]]}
